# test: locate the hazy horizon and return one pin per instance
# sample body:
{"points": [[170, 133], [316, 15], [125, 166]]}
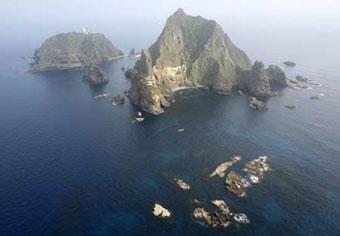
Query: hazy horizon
{"points": [[268, 24]]}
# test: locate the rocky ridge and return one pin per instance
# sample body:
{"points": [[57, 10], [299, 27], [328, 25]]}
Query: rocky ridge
{"points": [[194, 52]]}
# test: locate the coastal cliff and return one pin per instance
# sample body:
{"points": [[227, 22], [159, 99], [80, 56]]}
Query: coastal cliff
{"points": [[192, 52], [73, 51]]}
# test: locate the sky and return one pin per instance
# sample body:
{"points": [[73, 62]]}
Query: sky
{"points": [[141, 21], [265, 11]]}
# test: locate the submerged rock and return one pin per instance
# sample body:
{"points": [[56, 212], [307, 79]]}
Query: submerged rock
{"points": [[290, 106], [301, 78], [315, 97], [289, 63], [222, 168], [160, 211], [95, 76], [73, 51], [100, 96], [256, 104], [241, 218], [118, 100], [302, 83]]}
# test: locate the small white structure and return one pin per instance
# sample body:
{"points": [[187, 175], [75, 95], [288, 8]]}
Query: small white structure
{"points": [[85, 30]]}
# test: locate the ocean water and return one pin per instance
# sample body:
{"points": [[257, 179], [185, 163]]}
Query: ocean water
{"points": [[73, 165]]}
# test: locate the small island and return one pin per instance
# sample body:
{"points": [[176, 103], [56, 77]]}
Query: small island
{"points": [[289, 63], [69, 51]]}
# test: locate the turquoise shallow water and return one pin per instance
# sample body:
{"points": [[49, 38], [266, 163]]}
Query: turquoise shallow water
{"points": [[72, 165]]}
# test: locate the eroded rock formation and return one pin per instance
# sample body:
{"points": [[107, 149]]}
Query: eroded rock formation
{"points": [[190, 52], [194, 52]]}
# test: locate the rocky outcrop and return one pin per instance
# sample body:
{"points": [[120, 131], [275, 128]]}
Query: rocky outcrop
{"points": [[301, 78], [256, 104], [236, 184], [289, 63], [260, 81], [117, 100], [73, 51], [257, 168], [222, 168], [95, 76], [190, 52], [182, 185], [130, 73], [160, 211]]}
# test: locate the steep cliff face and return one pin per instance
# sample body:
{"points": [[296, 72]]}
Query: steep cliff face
{"points": [[260, 81], [193, 52], [190, 52], [73, 51]]}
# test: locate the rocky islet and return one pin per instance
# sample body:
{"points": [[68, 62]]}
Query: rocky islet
{"points": [[75, 50]]}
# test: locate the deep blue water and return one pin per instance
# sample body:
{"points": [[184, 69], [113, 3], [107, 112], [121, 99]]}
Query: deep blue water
{"points": [[73, 165]]}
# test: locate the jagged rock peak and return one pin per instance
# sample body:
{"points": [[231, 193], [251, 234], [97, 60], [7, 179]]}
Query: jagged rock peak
{"points": [[190, 52], [179, 12]]}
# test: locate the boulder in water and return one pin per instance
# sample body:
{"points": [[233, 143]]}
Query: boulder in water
{"points": [[290, 106], [289, 63], [95, 76], [301, 78], [160, 211], [118, 100], [182, 185], [256, 104]]}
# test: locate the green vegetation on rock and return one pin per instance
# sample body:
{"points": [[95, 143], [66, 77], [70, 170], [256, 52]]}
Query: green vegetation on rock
{"points": [[73, 51], [193, 52]]}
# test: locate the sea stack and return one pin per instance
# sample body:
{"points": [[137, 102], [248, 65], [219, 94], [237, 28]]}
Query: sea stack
{"points": [[194, 52], [95, 76], [74, 50]]}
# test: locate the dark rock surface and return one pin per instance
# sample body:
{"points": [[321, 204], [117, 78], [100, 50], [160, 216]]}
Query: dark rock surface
{"points": [[289, 63], [256, 104], [130, 73], [118, 100], [95, 76]]}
